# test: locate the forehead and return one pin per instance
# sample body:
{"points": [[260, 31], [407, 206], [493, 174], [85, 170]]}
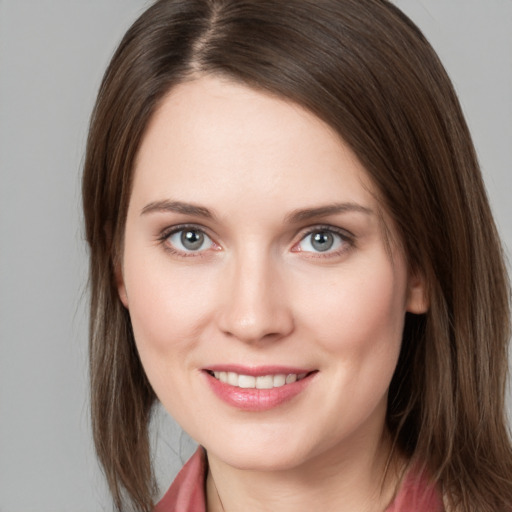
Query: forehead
{"points": [[213, 139]]}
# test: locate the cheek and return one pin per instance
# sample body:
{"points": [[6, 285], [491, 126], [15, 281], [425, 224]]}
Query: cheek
{"points": [[167, 307], [360, 311], [358, 328], [168, 314]]}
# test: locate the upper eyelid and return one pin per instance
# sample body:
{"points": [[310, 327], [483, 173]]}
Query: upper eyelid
{"points": [[166, 232], [325, 227], [304, 230]]}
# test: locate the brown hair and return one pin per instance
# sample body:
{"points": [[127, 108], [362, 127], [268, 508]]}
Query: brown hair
{"points": [[365, 69]]}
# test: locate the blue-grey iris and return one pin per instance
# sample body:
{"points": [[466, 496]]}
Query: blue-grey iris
{"points": [[192, 240], [322, 241]]}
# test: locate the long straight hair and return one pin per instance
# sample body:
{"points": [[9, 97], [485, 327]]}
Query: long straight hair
{"points": [[365, 69]]}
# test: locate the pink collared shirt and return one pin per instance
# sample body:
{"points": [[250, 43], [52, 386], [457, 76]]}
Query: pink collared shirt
{"points": [[187, 493]]}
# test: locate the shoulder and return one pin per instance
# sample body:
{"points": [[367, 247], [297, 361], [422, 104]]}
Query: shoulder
{"points": [[187, 492]]}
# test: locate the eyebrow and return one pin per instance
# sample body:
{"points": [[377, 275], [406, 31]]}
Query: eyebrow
{"points": [[323, 211], [177, 207], [294, 217]]}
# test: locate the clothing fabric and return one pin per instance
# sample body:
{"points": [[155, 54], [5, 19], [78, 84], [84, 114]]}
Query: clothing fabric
{"points": [[187, 492]]}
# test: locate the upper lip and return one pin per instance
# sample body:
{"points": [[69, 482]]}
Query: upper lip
{"points": [[258, 371]]}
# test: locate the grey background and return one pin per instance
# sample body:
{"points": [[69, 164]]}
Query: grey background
{"points": [[52, 56]]}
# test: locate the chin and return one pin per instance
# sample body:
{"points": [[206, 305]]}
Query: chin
{"points": [[280, 453]]}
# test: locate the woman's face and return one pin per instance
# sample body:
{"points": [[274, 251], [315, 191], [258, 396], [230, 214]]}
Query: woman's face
{"points": [[266, 305]]}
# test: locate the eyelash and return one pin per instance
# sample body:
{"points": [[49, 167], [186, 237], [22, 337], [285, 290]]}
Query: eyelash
{"points": [[167, 233], [347, 240]]}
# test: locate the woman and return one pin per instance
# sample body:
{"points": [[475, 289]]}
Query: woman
{"points": [[292, 250]]}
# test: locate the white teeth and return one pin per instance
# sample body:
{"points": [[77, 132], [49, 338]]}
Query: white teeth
{"points": [[292, 377], [279, 380], [233, 378], [246, 381], [261, 382], [265, 382]]}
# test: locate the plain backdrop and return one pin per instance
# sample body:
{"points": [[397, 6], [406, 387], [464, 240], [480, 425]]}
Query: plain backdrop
{"points": [[52, 56]]}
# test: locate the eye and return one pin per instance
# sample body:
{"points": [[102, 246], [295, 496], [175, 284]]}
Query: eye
{"points": [[189, 240], [323, 241]]}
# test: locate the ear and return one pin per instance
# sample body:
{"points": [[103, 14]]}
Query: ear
{"points": [[121, 287], [116, 263], [417, 298]]}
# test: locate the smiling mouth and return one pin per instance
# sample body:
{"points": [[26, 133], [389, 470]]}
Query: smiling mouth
{"points": [[261, 382]]}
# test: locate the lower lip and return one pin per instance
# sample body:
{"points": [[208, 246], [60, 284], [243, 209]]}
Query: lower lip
{"points": [[256, 400]]}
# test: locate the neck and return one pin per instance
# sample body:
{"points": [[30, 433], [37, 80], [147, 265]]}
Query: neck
{"points": [[357, 477]]}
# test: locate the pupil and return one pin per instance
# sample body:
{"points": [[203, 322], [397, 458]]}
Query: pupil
{"points": [[322, 241], [192, 240]]}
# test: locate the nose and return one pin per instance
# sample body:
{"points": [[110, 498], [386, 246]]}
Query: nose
{"points": [[255, 308]]}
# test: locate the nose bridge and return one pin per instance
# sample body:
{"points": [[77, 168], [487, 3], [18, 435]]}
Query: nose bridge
{"points": [[255, 306]]}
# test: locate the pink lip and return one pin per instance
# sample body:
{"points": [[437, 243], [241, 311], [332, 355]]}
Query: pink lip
{"points": [[257, 400]]}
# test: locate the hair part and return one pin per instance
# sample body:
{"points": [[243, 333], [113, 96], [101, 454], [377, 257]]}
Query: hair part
{"points": [[367, 71]]}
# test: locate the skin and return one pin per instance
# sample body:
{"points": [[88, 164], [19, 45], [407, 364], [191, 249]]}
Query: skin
{"points": [[258, 292]]}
